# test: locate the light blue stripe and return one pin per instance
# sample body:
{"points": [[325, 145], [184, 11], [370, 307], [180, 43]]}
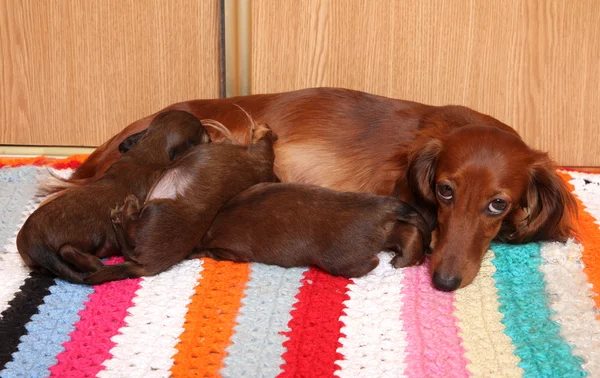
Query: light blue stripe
{"points": [[524, 304], [257, 342], [48, 330]]}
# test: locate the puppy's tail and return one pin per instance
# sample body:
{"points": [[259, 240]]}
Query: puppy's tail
{"points": [[408, 214], [128, 269], [56, 184]]}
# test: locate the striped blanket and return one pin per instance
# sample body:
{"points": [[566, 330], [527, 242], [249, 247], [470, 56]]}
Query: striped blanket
{"points": [[532, 311]]}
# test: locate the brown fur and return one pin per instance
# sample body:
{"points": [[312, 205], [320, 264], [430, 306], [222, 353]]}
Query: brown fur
{"points": [[168, 228], [482, 164], [293, 225], [68, 235], [353, 141]]}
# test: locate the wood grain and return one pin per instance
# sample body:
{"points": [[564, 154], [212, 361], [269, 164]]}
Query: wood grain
{"points": [[78, 72], [532, 64]]}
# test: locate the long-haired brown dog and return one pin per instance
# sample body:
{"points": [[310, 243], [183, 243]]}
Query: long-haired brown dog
{"points": [[183, 204], [293, 225], [468, 170], [68, 235]]}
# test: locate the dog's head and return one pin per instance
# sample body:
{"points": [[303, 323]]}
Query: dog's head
{"points": [[485, 183], [168, 137]]}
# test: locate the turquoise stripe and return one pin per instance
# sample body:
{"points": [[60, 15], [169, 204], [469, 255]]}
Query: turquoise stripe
{"points": [[48, 330], [257, 343], [524, 304]]}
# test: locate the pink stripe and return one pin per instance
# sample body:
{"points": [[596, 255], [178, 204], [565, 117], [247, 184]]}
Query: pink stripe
{"points": [[434, 347], [103, 316]]}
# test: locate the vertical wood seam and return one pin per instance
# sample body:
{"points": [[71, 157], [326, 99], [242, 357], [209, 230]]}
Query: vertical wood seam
{"points": [[237, 43]]}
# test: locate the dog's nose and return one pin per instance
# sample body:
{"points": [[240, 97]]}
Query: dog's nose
{"points": [[445, 283]]}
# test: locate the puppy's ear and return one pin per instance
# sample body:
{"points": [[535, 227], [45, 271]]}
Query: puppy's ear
{"points": [[549, 208], [185, 138], [421, 171], [130, 141]]}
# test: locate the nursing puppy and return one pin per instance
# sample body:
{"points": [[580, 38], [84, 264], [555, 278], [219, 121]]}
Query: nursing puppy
{"points": [[294, 225], [183, 204], [68, 235]]}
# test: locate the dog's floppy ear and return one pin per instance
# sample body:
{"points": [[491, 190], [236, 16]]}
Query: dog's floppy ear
{"points": [[130, 141], [549, 208], [421, 170]]}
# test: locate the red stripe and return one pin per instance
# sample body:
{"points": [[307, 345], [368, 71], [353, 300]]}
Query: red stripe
{"points": [[70, 162], [315, 326]]}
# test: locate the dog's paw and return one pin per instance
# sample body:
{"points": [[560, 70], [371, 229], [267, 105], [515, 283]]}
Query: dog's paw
{"points": [[116, 214], [263, 131], [401, 260], [131, 207]]}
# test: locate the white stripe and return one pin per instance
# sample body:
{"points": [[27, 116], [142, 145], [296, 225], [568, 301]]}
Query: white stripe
{"points": [[571, 298], [12, 269], [488, 349], [374, 344], [64, 173], [146, 344], [589, 193]]}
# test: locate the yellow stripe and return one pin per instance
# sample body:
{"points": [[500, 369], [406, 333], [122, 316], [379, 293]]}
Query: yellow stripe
{"points": [[488, 348]]}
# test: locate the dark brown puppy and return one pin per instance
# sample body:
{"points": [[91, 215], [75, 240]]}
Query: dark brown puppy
{"points": [[301, 225], [183, 204], [69, 234]]}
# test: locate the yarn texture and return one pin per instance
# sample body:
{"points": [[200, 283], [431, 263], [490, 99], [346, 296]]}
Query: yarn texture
{"points": [[532, 311]]}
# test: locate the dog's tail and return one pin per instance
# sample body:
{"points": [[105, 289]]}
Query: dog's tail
{"points": [[408, 214], [56, 184], [128, 269]]}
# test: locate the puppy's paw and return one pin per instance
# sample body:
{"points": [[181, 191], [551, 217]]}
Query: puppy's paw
{"points": [[263, 131], [403, 260], [131, 207], [116, 214]]}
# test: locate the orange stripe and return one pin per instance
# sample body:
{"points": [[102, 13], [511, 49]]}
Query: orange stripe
{"points": [[69, 162], [589, 235], [210, 319]]}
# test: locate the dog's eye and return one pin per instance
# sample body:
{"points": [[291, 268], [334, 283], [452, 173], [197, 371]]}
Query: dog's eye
{"points": [[445, 191], [497, 206]]}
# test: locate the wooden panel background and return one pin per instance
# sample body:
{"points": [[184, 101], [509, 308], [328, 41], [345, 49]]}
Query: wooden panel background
{"points": [[533, 64], [77, 72]]}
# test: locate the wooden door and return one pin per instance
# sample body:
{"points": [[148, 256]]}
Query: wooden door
{"points": [[533, 64], [77, 72]]}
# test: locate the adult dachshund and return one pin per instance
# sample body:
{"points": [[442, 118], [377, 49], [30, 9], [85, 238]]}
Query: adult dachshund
{"points": [[469, 171]]}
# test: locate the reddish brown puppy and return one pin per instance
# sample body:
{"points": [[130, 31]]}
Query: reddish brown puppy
{"points": [[183, 204], [353, 141], [68, 235], [294, 225]]}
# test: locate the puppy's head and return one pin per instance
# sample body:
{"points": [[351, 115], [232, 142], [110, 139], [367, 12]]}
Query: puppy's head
{"points": [[169, 136], [485, 183]]}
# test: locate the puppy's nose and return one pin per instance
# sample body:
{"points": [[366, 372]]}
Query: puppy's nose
{"points": [[445, 283]]}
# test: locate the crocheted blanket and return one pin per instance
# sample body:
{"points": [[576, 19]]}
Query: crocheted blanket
{"points": [[532, 311]]}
